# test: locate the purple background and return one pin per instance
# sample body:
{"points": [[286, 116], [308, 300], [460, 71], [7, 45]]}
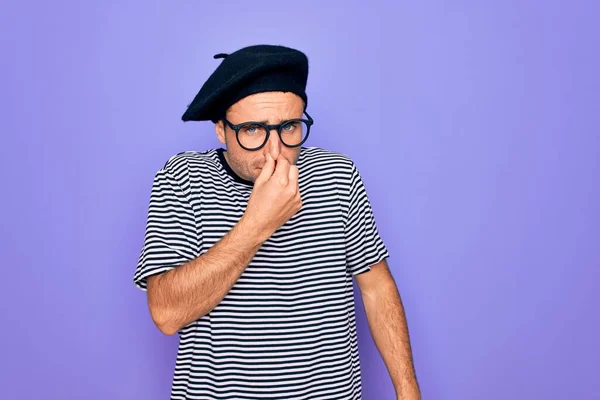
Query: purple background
{"points": [[475, 126]]}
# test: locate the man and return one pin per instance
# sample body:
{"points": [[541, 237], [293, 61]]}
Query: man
{"points": [[250, 251]]}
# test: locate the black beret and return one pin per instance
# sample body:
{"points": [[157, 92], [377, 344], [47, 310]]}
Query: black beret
{"points": [[253, 69]]}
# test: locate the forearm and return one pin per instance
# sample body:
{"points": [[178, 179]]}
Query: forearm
{"points": [[188, 292], [387, 322]]}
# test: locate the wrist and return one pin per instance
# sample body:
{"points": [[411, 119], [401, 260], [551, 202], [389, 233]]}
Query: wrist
{"points": [[252, 230]]}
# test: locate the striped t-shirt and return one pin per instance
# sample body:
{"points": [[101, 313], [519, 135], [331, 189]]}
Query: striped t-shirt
{"points": [[286, 329]]}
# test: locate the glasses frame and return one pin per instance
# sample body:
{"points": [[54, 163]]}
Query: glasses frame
{"points": [[268, 128]]}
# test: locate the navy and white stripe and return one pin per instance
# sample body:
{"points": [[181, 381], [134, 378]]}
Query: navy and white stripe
{"points": [[286, 330]]}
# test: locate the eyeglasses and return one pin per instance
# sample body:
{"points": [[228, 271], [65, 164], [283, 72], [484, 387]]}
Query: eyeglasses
{"points": [[253, 136]]}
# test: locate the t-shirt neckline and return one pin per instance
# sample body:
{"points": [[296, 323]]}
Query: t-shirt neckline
{"points": [[231, 172]]}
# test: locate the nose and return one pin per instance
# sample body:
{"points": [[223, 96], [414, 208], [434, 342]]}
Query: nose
{"points": [[274, 144]]}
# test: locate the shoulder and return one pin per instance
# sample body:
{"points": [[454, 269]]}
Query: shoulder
{"points": [[185, 160], [316, 156], [321, 168], [188, 168]]}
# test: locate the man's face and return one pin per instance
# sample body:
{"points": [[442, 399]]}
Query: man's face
{"points": [[272, 107]]}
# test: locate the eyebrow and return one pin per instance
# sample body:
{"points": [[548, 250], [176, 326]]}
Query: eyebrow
{"points": [[266, 122], [279, 121]]}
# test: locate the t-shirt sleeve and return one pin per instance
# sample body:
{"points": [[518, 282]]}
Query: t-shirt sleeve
{"points": [[171, 237], [364, 246]]}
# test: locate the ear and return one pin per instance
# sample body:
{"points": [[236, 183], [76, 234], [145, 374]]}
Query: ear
{"points": [[220, 129]]}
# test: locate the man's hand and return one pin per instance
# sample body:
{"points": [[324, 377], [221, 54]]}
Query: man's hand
{"points": [[275, 197]]}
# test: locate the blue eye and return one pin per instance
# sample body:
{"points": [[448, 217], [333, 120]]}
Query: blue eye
{"points": [[251, 129], [289, 127]]}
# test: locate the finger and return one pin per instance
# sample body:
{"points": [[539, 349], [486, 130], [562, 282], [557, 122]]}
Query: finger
{"points": [[298, 200], [267, 169], [282, 170], [293, 175]]}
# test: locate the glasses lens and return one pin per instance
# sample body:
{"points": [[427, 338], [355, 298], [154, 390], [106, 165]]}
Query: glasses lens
{"points": [[252, 136], [294, 132]]}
